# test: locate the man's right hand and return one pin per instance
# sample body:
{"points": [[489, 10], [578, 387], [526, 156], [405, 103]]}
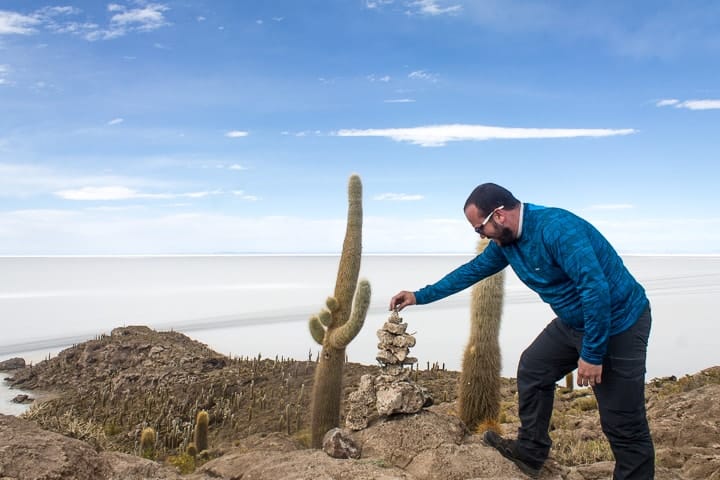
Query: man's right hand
{"points": [[402, 300]]}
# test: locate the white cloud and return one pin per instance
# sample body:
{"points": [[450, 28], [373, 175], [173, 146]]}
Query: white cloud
{"points": [[377, 3], [432, 7], [236, 166], [375, 78], [116, 121], [201, 18], [304, 133], [64, 20], [149, 17], [245, 196], [278, 19], [236, 134], [403, 197], [122, 193], [25, 180], [400, 100], [16, 23], [439, 135], [4, 71], [423, 75], [700, 104], [108, 232], [706, 104]]}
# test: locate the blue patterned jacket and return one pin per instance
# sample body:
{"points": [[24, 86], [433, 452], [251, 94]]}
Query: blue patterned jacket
{"points": [[570, 265]]}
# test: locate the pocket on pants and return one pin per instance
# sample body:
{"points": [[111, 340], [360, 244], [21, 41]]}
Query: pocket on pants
{"points": [[623, 385]]}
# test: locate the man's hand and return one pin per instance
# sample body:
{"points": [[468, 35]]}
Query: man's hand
{"points": [[588, 374], [402, 300]]}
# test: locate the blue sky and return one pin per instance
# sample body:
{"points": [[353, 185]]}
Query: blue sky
{"points": [[180, 127]]}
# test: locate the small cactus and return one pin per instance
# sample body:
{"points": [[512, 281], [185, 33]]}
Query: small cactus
{"points": [[191, 450], [148, 437], [201, 430]]}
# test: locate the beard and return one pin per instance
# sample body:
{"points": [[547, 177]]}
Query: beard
{"points": [[505, 237]]}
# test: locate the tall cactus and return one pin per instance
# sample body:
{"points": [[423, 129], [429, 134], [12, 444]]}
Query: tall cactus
{"points": [[479, 388], [336, 326]]}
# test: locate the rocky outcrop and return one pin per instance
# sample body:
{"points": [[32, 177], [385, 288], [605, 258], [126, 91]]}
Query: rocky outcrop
{"points": [[129, 370], [12, 364], [28, 452]]}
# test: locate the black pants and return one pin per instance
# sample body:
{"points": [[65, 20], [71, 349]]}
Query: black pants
{"points": [[620, 395]]}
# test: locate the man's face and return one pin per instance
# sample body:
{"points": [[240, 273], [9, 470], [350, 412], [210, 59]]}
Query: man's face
{"points": [[490, 225]]}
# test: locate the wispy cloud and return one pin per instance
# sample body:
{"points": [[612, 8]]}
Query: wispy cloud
{"points": [[378, 78], [400, 100], [68, 20], [439, 135], [236, 134], [303, 133], [26, 180], [4, 72], [123, 193], [236, 166], [402, 197], [148, 17], [241, 194], [706, 104], [13, 23], [377, 3], [423, 75], [432, 7], [115, 121]]}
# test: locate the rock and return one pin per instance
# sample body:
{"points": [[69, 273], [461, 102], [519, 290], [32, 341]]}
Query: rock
{"points": [[361, 405], [383, 396], [398, 441], [12, 364], [264, 462], [339, 444], [22, 398], [399, 396], [29, 452]]}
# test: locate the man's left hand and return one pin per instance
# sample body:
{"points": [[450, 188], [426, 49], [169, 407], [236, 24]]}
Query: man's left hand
{"points": [[588, 375]]}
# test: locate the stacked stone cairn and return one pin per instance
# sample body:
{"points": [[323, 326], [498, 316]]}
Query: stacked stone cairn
{"points": [[392, 392], [394, 346]]}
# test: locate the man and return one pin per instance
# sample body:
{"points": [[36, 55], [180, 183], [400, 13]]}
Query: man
{"points": [[602, 325]]}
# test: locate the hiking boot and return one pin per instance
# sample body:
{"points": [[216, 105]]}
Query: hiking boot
{"points": [[508, 450]]}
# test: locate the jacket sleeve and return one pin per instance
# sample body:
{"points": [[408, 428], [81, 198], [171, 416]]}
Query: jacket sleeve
{"points": [[489, 262], [574, 252]]}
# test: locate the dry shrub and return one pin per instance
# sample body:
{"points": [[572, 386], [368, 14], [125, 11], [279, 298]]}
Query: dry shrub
{"points": [[570, 448]]}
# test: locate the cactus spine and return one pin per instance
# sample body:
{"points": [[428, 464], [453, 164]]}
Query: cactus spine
{"points": [[479, 388], [336, 326], [201, 431]]}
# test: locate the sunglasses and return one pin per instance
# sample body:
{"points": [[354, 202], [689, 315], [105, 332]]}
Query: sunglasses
{"points": [[479, 228]]}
